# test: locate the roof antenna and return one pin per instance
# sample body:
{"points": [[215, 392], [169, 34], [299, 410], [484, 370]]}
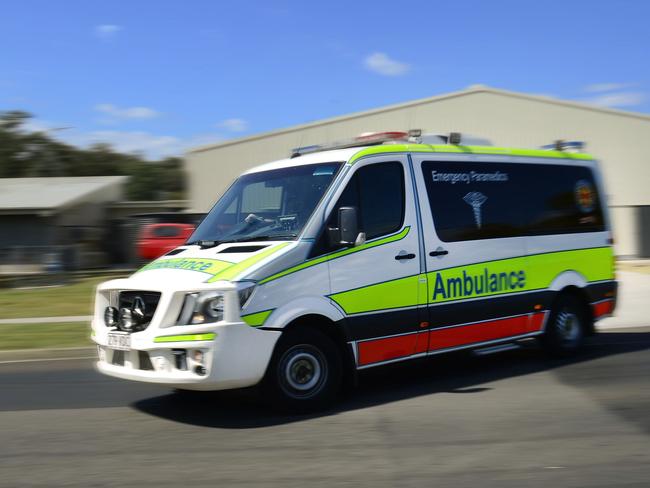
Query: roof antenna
{"points": [[296, 151]]}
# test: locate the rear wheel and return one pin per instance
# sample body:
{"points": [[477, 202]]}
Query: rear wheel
{"points": [[304, 373], [566, 327]]}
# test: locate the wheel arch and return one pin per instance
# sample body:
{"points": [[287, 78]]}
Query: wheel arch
{"points": [[574, 284], [336, 332]]}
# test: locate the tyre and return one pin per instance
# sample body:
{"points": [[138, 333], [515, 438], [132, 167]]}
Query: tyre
{"points": [[566, 327], [305, 372]]}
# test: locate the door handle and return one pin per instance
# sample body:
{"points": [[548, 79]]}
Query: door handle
{"points": [[399, 257], [439, 252]]}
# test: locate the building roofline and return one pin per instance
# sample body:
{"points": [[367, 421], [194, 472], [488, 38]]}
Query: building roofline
{"points": [[389, 108], [52, 209]]}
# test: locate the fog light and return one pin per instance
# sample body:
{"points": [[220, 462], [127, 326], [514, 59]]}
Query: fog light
{"points": [[111, 315], [126, 319], [200, 370], [198, 356], [161, 363]]}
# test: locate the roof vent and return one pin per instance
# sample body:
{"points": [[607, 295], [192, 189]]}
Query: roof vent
{"points": [[174, 252], [241, 249]]}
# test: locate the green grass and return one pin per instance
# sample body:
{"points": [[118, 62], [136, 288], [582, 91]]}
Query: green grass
{"points": [[35, 336], [57, 301]]}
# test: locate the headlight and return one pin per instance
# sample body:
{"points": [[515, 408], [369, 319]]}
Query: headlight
{"points": [[201, 308]]}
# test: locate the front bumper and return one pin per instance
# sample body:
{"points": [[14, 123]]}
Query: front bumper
{"points": [[236, 357], [234, 354]]}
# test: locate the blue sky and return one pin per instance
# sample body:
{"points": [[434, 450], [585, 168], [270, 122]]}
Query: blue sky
{"points": [[161, 76]]}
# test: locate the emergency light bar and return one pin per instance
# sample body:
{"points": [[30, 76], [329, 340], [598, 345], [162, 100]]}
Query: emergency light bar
{"points": [[387, 137], [365, 139]]}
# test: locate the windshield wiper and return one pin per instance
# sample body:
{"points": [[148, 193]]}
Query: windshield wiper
{"points": [[205, 244]]}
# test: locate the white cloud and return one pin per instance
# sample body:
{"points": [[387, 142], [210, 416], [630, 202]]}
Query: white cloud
{"points": [[126, 113], [606, 87], [152, 146], [107, 31], [381, 63], [233, 125], [137, 141], [618, 99]]}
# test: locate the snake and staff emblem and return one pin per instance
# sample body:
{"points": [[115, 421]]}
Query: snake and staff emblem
{"points": [[475, 199]]}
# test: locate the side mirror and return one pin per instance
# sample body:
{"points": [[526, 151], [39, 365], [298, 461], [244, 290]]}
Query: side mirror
{"points": [[347, 232]]}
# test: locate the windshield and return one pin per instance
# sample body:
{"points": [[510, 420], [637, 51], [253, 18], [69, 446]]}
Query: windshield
{"points": [[273, 204]]}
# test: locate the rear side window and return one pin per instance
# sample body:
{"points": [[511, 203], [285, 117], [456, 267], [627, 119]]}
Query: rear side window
{"points": [[491, 200], [377, 190], [562, 199]]}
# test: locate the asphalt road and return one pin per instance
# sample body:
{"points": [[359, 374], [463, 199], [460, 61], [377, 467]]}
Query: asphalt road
{"points": [[509, 420]]}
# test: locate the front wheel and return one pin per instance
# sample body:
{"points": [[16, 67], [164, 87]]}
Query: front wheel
{"points": [[565, 330], [304, 373]]}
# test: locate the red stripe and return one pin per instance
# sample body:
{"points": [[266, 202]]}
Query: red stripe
{"points": [[485, 331], [536, 322], [385, 349], [378, 350], [422, 343], [602, 308]]}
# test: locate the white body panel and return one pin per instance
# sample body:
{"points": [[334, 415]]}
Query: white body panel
{"points": [[292, 283]]}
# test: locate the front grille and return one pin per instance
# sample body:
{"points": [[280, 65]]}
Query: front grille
{"points": [[140, 306]]}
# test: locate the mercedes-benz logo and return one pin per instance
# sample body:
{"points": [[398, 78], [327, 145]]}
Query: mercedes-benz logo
{"points": [[134, 315], [138, 309]]}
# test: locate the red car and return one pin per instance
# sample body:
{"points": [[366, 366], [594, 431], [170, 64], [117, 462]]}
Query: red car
{"points": [[158, 239]]}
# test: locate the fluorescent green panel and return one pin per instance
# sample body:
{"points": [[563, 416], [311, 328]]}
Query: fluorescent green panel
{"points": [[443, 148], [236, 269], [328, 257], [257, 319], [391, 294], [209, 266], [481, 280], [186, 337], [595, 264], [513, 275]]}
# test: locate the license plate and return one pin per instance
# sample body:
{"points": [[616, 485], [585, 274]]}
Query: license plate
{"points": [[119, 341]]}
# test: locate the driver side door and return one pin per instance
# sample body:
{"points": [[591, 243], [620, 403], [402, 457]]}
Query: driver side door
{"points": [[378, 285]]}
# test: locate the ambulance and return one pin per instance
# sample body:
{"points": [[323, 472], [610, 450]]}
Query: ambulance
{"points": [[386, 248]]}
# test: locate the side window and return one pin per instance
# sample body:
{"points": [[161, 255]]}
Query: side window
{"points": [[491, 200], [377, 190], [562, 199], [474, 200]]}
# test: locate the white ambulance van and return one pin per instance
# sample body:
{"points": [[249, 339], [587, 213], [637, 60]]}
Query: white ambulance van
{"points": [[393, 247]]}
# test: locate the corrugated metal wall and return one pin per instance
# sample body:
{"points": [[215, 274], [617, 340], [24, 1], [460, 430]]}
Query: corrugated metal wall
{"points": [[620, 141]]}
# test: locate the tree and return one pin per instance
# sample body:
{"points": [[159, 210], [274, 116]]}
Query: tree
{"points": [[26, 153]]}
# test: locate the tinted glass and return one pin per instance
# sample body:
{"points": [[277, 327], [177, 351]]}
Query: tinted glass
{"points": [[267, 204], [491, 200], [377, 190], [562, 199]]}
